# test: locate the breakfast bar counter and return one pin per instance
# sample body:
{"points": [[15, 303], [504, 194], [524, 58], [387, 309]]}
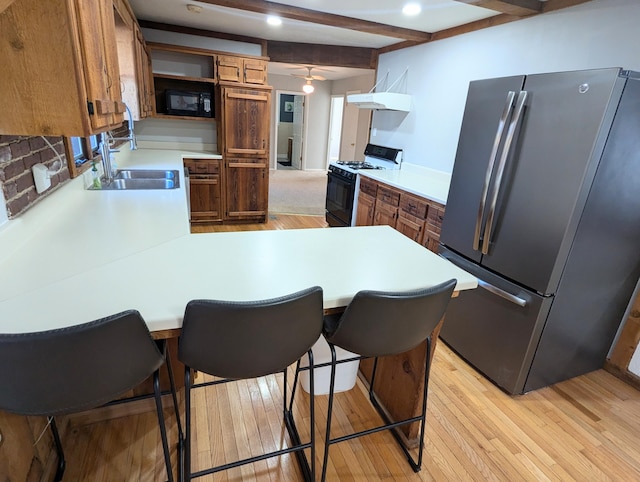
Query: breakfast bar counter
{"points": [[83, 255]]}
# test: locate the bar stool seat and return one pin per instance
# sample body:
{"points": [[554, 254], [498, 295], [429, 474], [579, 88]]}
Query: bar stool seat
{"points": [[377, 324], [81, 367], [240, 340]]}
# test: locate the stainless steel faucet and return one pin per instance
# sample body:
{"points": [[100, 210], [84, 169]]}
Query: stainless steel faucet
{"points": [[105, 152], [131, 137], [106, 142]]}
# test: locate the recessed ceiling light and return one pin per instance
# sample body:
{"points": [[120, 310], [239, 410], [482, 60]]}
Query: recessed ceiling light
{"points": [[274, 21], [412, 9]]}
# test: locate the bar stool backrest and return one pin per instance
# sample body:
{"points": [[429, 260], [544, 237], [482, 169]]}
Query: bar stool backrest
{"points": [[76, 368], [378, 323], [250, 339]]}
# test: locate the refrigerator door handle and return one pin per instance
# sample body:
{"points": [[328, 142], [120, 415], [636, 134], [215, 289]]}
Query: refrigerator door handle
{"points": [[492, 159], [511, 134], [502, 294]]}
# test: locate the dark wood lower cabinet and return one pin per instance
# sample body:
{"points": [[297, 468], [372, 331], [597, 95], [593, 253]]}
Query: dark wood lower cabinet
{"points": [[247, 189], [417, 218], [235, 190], [205, 199]]}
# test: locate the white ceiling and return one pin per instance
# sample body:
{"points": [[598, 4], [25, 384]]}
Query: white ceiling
{"points": [[436, 15]]}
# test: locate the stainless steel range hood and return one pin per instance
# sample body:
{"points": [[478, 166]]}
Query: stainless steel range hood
{"points": [[381, 101]]}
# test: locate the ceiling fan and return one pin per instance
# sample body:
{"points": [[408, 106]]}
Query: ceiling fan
{"points": [[308, 87]]}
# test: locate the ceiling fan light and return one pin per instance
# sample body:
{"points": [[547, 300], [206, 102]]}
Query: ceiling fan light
{"points": [[274, 21], [308, 88]]}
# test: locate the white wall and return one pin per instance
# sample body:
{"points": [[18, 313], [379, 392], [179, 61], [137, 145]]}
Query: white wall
{"points": [[316, 124], [176, 134], [361, 83], [175, 38], [601, 33]]}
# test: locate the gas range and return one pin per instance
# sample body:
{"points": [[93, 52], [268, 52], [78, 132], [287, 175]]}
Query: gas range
{"points": [[375, 157], [343, 180], [358, 165]]}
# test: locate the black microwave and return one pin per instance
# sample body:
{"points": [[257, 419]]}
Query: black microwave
{"points": [[194, 104]]}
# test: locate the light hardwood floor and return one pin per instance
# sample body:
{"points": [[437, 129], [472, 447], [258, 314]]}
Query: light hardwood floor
{"points": [[583, 429]]}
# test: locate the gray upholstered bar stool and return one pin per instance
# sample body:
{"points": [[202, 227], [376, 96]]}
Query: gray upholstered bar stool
{"points": [[80, 367], [377, 324], [240, 340]]}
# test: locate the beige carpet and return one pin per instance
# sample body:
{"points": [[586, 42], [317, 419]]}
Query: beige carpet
{"points": [[297, 192]]}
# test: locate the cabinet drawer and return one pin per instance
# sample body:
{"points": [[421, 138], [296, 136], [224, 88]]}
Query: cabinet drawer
{"points": [[368, 186], [414, 206], [388, 196], [202, 166], [435, 216]]}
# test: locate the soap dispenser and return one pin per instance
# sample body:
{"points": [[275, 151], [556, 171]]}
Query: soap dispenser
{"points": [[95, 176]]}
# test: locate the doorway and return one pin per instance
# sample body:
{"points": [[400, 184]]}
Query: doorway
{"points": [[290, 130], [335, 128]]}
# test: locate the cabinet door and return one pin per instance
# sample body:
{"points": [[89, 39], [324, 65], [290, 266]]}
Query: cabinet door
{"points": [[366, 208], [246, 122], [247, 188], [410, 226], [387, 202], [59, 67], [385, 214], [143, 76], [255, 71], [100, 58], [431, 238], [229, 68], [205, 198]]}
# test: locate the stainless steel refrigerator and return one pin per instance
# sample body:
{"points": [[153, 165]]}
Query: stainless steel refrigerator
{"points": [[544, 208]]}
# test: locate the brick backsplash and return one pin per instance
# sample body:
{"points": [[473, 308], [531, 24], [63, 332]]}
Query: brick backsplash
{"points": [[17, 155]]}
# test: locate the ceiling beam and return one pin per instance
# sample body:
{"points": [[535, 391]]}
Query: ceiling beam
{"points": [[328, 19], [473, 26], [519, 8], [316, 54], [551, 5]]}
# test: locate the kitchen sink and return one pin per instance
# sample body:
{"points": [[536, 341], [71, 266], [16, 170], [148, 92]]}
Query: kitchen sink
{"points": [[145, 174], [128, 179]]}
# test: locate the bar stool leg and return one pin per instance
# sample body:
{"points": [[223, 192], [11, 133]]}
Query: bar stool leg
{"points": [[186, 470], [163, 428], [59, 451], [329, 413]]}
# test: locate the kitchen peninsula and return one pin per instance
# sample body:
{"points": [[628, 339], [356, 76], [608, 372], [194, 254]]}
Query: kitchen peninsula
{"points": [[80, 255]]}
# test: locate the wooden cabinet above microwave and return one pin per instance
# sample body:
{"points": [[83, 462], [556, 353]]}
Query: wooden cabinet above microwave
{"points": [[60, 68]]}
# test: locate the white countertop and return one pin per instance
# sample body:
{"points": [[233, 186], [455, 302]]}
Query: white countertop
{"points": [[82, 255], [422, 181]]}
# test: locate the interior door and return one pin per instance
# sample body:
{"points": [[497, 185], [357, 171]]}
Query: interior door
{"points": [[298, 129], [350, 133], [335, 128]]}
